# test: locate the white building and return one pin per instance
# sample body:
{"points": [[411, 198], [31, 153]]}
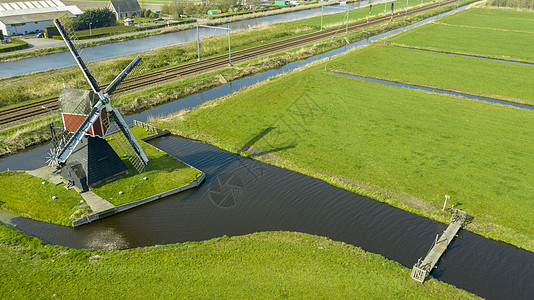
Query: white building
{"points": [[32, 16]]}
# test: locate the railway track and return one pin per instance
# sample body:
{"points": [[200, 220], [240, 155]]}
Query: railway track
{"points": [[34, 109]]}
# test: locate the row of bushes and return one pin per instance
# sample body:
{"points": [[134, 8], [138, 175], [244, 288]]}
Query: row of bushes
{"points": [[106, 31], [239, 13], [16, 45]]}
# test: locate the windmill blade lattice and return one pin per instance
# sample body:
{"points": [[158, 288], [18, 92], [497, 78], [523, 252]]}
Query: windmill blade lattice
{"points": [[129, 82], [68, 27], [122, 146]]}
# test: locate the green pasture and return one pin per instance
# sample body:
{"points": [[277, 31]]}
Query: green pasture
{"points": [[499, 19], [507, 45], [408, 148], [463, 74], [26, 195], [163, 173], [268, 265]]}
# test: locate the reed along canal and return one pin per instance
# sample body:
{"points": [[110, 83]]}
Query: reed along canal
{"points": [[241, 196]]}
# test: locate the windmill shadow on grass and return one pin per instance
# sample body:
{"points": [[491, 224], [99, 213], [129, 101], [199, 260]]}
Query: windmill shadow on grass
{"points": [[273, 144]]}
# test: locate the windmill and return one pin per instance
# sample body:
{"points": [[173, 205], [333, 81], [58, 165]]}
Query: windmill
{"points": [[79, 148]]}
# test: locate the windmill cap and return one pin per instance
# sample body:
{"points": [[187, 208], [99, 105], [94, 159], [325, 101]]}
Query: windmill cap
{"points": [[76, 101]]}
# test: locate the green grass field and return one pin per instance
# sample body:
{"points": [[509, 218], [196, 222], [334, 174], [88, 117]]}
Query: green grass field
{"points": [[25, 195], [482, 40], [261, 265], [409, 148], [493, 79], [498, 19], [163, 173]]}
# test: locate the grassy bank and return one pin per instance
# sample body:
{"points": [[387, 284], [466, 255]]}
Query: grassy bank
{"points": [[340, 18], [25, 195], [272, 264], [488, 78], [407, 148], [24, 136], [163, 173]]}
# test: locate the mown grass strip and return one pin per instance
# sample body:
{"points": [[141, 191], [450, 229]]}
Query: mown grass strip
{"points": [[265, 265], [405, 147], [454, 73]]}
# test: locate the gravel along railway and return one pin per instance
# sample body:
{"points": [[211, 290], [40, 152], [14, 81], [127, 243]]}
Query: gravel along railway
{"points": [[34, 109]]}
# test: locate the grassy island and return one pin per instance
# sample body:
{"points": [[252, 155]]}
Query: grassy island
{"points": [[38, 199]]}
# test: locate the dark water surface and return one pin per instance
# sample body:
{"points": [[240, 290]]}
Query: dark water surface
{"points": [[242, 196]]}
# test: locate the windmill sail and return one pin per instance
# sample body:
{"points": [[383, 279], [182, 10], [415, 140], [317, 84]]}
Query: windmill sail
{"points": [[138, 158], [113, 85], [78, 57]]}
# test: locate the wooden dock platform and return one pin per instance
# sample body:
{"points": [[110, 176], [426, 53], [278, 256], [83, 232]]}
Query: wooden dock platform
{"points": [[423, 267]]}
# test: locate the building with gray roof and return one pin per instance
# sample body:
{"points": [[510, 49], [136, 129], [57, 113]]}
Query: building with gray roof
{"points": [[18, 18], [124, 8]]}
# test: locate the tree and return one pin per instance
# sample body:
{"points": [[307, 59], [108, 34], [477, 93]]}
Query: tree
{"points": [[101, 17], [1, 35]]}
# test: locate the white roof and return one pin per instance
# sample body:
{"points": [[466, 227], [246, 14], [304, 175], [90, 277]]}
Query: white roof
{"points": [[14, 9]]}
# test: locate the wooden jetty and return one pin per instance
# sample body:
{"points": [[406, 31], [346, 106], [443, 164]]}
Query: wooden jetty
{"points": [[423, 267]]}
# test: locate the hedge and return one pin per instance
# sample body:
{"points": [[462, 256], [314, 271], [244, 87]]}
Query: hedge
{"points": [[20, 45]]}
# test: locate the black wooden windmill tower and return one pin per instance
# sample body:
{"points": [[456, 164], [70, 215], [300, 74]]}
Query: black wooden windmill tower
{"points": [[79, 148]]}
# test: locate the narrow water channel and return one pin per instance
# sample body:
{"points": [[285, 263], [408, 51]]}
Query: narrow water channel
{"points": [[242, 196]]}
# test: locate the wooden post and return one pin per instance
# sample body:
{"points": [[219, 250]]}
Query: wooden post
{"points": [[444, 204]]}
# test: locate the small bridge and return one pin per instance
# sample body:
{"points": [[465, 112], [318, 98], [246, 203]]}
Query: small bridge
{"points": [[423, 267]]}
